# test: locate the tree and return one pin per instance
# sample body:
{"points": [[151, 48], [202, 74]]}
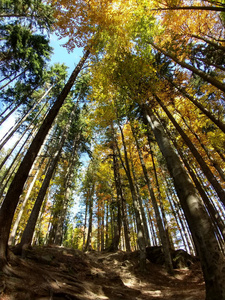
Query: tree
{"points": [[198, 219], [15, 189]]}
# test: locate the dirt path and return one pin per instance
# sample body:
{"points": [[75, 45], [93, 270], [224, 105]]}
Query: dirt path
{"points": [[58, 273]]}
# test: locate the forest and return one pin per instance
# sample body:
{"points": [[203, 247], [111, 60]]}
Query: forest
{"points": [[126, 152]]}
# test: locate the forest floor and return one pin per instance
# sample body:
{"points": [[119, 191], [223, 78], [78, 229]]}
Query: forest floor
{"points": [[59, 273]]}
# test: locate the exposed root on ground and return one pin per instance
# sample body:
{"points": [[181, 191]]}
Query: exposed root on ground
{"points": [[60, 273]]}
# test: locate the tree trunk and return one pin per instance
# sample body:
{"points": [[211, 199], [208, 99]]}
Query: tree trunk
{"points": [[213, 162], [140, 230], [85, 225], [29, 230], [9, 113], [67, 191], [161, 226], [208, 173], [218, 84], [91, 195], [17, 221], [171, 245], [212, 260], [117, 207], [142, 211], [213, 213], [210, 8], [121, 203], [11, 132], [205, 111], [210, 42], [14, 164], [11, 200]]}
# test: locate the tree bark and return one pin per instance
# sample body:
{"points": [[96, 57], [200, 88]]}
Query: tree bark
{"points": [[11, 132], [117, 224], [218, 84], [140, 230], [217, 122], [11, 200], [210, 8], [17, 221], [161, 226], [208, 173], [88, 242], [212, 260]]}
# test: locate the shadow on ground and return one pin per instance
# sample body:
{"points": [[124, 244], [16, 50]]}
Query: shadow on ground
{"points": [[58, 273]]}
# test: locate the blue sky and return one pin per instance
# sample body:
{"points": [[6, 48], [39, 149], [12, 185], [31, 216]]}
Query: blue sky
{"points": [[61, 54]]}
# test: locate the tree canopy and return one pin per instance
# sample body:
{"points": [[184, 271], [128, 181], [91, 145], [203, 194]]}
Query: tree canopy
{"points": [[136, 133]]}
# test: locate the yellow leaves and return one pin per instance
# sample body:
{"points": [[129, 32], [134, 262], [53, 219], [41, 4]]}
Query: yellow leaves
{"points": [[80, 20], [217, 139], [182, 26]]}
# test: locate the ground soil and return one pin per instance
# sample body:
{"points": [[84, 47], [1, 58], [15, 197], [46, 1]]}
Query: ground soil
{"points": [[58, 273]]}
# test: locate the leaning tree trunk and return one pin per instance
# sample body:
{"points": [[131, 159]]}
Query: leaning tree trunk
{"points": [[216, 218], [117, 216], [206, 77], [205, 111], [14, 128], [9, 113], [29, 230], [212, 260], [15, 163], [208, 173], [17, 221], [16, 187]]}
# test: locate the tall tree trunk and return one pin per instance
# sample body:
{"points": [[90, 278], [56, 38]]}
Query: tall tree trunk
{"points": [[11, 132], [214, 214], [31, 133], [85, 225], [67, 191], [11, 80], [121, 203], [210, 8], [205, 111], [208, 173], [160, 199], [212, 260], [9, 113], [91, 195], [210, 42], [125, 224], [17, 221], [107, 225], [140, 230], [11, 200], [10, 151], [142, 211], [102, 226], [14, 164], [29, 230], [218, 84], [117, 223], [163, 237], [213, 162]]}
